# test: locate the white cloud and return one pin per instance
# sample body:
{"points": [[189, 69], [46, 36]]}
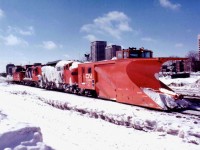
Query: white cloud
{"points": [[148, 39], [12, 40], [49, 45], [178, 45], [2, 14], [170, 5], [91, 37], [113, 23], [27, 31]]}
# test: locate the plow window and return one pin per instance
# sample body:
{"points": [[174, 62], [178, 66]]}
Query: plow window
{"points": [[89, 70], [134, 55], [146, 55]]}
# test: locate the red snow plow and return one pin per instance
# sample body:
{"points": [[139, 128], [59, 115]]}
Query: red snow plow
{"points": [[131, 79]]}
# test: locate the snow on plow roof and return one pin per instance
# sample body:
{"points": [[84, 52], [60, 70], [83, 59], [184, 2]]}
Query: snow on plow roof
{"points": [[74, 65], [62, 63]]}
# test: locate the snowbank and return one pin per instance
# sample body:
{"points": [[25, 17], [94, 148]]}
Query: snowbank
{"points": [[88, 123], [196, 84], [177, 82], [182, 126], [186, 86], [2, 79], [20, 136]]}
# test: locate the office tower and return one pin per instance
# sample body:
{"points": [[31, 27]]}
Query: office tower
{"points": [[98, 50], [111, 51]]}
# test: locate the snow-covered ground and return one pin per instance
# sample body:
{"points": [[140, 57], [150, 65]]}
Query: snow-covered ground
{"points": [[33, 118], [187, 86]]}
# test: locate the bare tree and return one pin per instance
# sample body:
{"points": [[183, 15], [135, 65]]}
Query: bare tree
{"points": [[193, 57]]}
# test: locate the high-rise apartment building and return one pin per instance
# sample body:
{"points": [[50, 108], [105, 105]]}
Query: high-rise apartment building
{"points": [[199, 45], [98, 50], [111, 51]]}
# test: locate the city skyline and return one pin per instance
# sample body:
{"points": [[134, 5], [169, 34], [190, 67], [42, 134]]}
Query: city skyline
{"points": [[33, 31]]}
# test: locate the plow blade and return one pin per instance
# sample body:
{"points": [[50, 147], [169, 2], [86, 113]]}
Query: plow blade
{"points": [[139, 85]]}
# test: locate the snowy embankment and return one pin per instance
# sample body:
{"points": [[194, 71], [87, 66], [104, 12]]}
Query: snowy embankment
{"points": [[75, 127], [19, 136], [186, 86]]}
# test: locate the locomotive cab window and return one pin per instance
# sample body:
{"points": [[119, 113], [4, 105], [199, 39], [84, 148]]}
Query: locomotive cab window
{"points": [[134, 55], [146, 54], [19, 70]]}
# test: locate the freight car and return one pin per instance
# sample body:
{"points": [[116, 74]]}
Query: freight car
{"points": [[130, 78]]}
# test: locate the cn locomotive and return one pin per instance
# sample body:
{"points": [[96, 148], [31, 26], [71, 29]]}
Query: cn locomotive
{"points": [[130, 78]]}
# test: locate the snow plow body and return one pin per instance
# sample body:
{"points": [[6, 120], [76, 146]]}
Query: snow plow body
{"points": [[130, 81]]}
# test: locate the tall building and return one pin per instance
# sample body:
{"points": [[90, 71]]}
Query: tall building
{"points": [[199, 45], [98, 50], [111, 51]]}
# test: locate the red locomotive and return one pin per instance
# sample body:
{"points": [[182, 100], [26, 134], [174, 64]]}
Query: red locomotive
{"points": [[18, 74], [32, 74], [130, 78]]}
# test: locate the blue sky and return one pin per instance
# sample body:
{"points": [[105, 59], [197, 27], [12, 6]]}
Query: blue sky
{"points": [[47, 30]]}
